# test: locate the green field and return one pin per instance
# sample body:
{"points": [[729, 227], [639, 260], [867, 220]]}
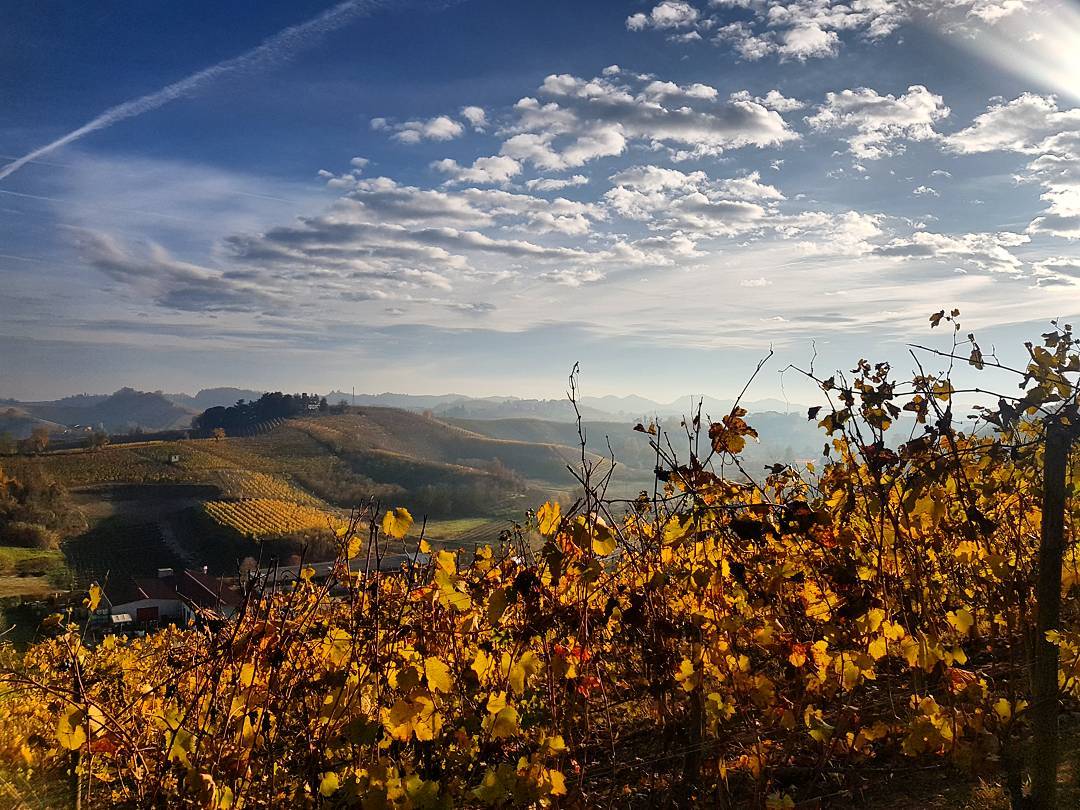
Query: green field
{"points": [[31, 573]]}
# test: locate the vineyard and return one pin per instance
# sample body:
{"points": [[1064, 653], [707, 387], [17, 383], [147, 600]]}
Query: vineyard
{"points": [[804, 638], [236, 484], [257, 518], [113, 551]]}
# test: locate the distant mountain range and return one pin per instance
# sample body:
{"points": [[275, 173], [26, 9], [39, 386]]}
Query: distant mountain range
{"points": [[459, 406], [127, 409], [121, 412], [213, 398]]}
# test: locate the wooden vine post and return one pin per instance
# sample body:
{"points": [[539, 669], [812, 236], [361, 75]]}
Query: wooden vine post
{"points": [[1048, 590]]}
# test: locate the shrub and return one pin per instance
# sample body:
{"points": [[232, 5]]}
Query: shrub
{"points": [[28, 535]]}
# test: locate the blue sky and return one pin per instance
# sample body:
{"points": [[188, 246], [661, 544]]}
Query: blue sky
{"points": [[471, 196]]}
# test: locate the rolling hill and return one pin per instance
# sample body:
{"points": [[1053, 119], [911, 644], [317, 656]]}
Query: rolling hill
{"points": [[18, 423], [213, 398], [117, 413], [217, 501]]}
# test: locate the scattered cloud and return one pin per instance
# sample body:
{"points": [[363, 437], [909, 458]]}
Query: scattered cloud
{"points": [[1035, 126], [984, 251], [556, 183], [877, 126], [572, 278], [668, 14], [439, 128], [586, 119], [494, 170], [1057, 272], [476, 116], [170, 282]]}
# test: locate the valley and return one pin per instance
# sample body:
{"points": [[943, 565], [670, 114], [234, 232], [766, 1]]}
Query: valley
{"points": [[281, 493]]}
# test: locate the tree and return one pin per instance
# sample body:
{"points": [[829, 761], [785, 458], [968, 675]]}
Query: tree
{"points": [[39, 439], [97, 440], [219, 433]]}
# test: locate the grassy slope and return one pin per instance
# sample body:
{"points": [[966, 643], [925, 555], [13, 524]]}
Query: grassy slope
{"points": [[425, 439]]}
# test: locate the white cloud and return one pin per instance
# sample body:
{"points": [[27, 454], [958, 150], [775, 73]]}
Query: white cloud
{"points": [[1057, 271], [600, 117], [985, 251], [1020, 125], [1035, 125], [572, 278], [925, 191], [668, 14], [761, 281], [878, 125], [439, 128], [476, 117], [669, 199], [555, 183], [809, 29], [850, 233], [172, 283], [670, 91], [493, 170]]}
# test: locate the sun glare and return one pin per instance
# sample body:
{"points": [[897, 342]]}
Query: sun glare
{"points": [[1040, 43]]}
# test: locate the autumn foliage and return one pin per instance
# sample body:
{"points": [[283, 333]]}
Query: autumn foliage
{"points": [[728, 639]]}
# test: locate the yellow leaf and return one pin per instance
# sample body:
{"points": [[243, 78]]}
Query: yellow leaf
{"points": [[505, 723], [353, 547], [962, 619], [482, 664], [438, 675], [603, 541], [554, 744], [446, 561], [396, 522], [558, 783], [496, 702], [183, 743], [329, 784], [878, 648], [94, 598], [425, 547], [526, 666], [71, 729], [548, 518]]}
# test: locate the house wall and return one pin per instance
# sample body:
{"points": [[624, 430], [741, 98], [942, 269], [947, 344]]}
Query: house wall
{"points": [[167, 608]]}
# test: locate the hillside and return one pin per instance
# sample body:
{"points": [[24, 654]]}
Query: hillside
{"points": [[117, 413], [216, 502], [18, 423], [784, 438], [427, 439], [213, 398], [605, 408]]}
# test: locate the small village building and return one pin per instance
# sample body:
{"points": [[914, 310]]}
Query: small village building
{"points": [[171, 596]]}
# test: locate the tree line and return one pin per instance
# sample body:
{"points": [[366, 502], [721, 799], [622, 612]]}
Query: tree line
{"points": [[244, 414]]}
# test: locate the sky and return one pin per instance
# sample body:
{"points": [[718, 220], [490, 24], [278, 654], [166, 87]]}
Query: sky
{"points": [[471, 195]]}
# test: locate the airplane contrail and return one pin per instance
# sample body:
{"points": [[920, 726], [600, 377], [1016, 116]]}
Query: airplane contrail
{"points": [[273, 49]]}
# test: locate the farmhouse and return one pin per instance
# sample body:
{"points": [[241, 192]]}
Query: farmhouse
{"points": [[173, 597]]}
